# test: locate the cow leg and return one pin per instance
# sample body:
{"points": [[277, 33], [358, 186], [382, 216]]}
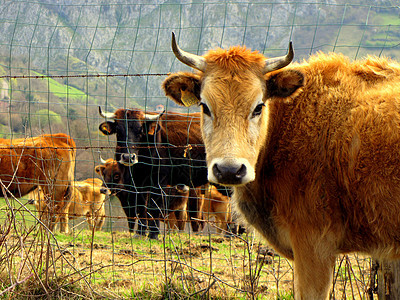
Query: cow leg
{"points": [[60, 198], [131, 217], [154, 227], [99, 221], [314, 261], [154, 213], [53, 219], [140, 214], [63, 211], [170, 221], [228, 225], [90, 220], [195, 207], [64, 218], [181, 219]]}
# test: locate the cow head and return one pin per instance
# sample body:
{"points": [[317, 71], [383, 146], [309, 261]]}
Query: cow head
{"points": [[133, 129], [234, 87], [112, 175]]}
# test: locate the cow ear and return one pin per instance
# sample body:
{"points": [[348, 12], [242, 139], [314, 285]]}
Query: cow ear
{"points": [[284, 83], [99, 169], [183, 88], [107, 128]]}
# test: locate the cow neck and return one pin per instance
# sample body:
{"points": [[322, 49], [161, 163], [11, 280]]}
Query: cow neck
{"points": [[150, 147], [278, 126]]}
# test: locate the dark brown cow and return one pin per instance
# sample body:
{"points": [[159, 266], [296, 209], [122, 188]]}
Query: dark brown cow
{"points": [[312, 151], [176, 216], [46, 161], [167, 150], [176, 197]]}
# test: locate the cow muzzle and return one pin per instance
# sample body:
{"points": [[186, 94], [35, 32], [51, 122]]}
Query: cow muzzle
{"points": [[227, 171], [128, 159], [104, 190]]}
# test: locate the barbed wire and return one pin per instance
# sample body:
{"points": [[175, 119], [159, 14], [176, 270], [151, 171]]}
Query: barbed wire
{"points": [[188, 147], [81, 76]]}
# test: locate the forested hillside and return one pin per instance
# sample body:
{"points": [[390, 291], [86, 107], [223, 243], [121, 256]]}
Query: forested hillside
{"points": [[73, 39]]}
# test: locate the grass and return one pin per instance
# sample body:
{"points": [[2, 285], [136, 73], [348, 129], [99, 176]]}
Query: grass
{"points": [[63, 91], [179, 265]]}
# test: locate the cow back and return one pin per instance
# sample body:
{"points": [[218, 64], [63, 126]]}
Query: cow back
{"points": [[45, 160]]}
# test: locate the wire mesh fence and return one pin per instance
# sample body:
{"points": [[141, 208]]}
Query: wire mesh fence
{"points": [[60, 61]]}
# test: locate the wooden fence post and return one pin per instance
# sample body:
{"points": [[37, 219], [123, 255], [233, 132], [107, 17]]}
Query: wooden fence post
{"points": [[389, 280]]}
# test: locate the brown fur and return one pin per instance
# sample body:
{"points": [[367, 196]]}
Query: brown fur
{"points": [[46, 161], [177, 219], [216, 205], [87, 200], [325, 156], [180, 124]]}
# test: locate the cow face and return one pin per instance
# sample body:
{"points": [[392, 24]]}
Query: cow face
{"points": [[235, 88], [133, 129], [112, 175]]}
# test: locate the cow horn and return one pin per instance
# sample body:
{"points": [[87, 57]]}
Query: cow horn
{"points": [[102, 160], [277, 63], [148, 117], [192, 60], [106, 115]]}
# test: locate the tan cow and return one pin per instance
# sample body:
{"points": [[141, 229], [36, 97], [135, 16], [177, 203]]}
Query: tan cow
{"points": [[312, 151], [46, 161], [87, 200], [215, 205]]}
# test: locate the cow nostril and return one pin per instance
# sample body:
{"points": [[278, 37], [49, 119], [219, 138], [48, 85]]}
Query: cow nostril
{"points": [[241, 172], [217, 172], [229, 173], [128, 159]]}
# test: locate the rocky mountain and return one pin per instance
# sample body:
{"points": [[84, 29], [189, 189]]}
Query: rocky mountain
{"points": [[128, 45]]}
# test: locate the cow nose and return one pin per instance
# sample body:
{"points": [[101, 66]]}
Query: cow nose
{"points": [[228, 173], [128, 159], [103, 190]]}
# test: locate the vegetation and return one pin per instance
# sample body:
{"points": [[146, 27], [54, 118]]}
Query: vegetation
{"points": [[118, 265], [67, 46]]}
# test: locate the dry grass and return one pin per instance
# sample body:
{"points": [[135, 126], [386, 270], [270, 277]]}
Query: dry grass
{"points": [[117, 265]]}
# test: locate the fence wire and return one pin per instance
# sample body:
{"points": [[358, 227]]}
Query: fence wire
{"points": [[61, 60]]}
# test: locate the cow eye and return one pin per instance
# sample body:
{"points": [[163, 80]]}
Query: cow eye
{"points": [[205, 108], [116, 177], [138, 130], [257, 111]]}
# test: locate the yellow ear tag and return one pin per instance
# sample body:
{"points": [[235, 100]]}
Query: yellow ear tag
{"points": [[188, 98], [106, 128]]}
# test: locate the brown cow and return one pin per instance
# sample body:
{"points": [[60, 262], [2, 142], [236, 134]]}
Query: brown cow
{"points": [[177, 218], [46, 161], [312, 151], [87, 200], [215, 205]]}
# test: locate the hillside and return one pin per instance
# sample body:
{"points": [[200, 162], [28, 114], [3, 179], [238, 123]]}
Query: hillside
{"points": [[95, 37]]}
